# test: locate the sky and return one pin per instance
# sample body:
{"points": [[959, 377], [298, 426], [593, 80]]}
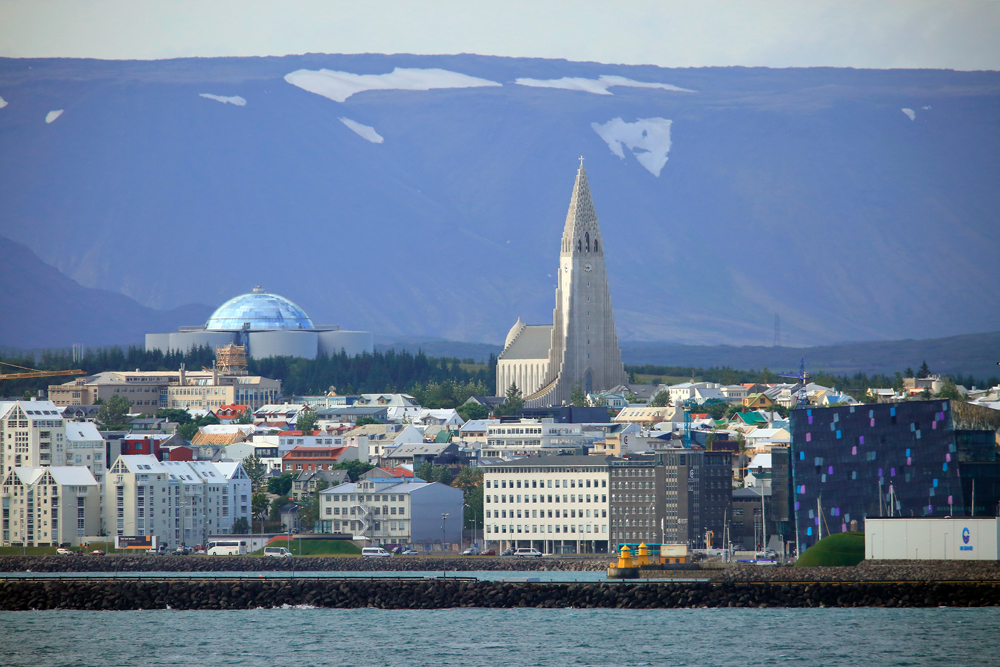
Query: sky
{"points": [[940, 34]]}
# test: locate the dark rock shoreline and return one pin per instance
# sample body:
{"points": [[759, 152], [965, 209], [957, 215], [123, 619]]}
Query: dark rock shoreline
{"points": [[867, 571], [440, 594]]}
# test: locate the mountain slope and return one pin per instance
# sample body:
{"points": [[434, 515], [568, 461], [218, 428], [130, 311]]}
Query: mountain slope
{"points": [[806, 193], [43, 308]]}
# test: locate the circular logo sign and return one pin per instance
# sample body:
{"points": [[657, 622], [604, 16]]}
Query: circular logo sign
{"points": [[965, 535]]}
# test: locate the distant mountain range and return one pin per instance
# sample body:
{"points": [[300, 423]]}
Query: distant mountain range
{"points": [[429, 200], [42, 308]]}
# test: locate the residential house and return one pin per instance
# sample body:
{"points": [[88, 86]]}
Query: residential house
{"points": [[399, 407], [230, 414], [304, 486]]}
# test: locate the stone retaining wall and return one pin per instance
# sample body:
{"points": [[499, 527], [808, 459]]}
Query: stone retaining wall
{"points": [[131, 595], [300, 564]]}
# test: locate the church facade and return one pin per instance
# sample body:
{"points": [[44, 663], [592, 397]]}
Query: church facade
{"points": [[580, 347]]}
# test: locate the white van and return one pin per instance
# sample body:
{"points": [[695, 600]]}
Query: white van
{"points": [[528, 553], [374, 552], [277, 552]]}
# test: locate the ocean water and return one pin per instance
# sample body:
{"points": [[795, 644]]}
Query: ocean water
{"points": [[303, 636]]}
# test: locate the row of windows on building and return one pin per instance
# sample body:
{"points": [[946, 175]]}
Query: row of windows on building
{"points": [[541, 484], [570, 528], [354, 509], [540, 514], [536, 498]]}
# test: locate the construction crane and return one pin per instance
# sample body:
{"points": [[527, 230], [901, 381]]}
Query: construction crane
{"points": [[34, 373], [801, 399]]}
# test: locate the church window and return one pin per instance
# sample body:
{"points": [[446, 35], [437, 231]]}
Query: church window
{"points": [[587, 236], [595, 245], [579, 245]]}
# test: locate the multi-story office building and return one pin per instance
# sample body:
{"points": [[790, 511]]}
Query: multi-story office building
{"points": [[534, 436], [151, 390], [854, 462], [673, 497], [30, 431], [698, 497], [556, 504], [388, 511], [637, 500], [44, 506]]}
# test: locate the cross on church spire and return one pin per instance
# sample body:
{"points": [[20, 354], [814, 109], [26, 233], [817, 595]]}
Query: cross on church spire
{"points": [[581, 160]]}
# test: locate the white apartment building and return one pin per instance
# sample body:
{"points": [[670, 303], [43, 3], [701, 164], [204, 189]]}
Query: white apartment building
{"points": [[29, 432], [82, 446], [556, 504], [390, 511], [533, 436], [182, 502], [45, 506]]}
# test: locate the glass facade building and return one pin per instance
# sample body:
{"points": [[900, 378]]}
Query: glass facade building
{"points": [[258, 310], [854, 462]]}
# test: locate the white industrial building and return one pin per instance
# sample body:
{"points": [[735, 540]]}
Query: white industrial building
{"points": [[961, 538]]}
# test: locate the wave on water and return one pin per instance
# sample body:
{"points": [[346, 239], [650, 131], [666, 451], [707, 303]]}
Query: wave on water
{"points": [[297, 606]]}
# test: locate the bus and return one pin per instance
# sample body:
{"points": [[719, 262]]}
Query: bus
{"points": [[228, 548]]}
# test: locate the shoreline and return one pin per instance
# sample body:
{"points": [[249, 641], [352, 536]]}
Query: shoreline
{"points": [[867, 571], [442, 594]]}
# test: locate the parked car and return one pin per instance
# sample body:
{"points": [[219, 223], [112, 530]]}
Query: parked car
{"points": [[158, 551], [409, 552], [200, 549], [471, 551], [375, 552], [507, 552], [96, 552], [277, 552], [528, 553], [182, 550], [64, 552], [490, 552]]}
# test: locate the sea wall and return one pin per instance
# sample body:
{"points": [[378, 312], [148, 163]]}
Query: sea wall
{"points": [[438, 594], [299, 564]]}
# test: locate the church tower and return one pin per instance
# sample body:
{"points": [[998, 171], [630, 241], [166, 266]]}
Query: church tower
{"points": [[583, 345]]}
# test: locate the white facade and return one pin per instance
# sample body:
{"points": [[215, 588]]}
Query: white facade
{"points": [[183, 502], [962, 538], [49, 506], [31, 433], [531, 436], [83, 446], [556, 504]]}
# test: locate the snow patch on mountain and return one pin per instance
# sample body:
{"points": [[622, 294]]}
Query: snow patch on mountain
{"points": [[647, 138], [598, 86], [52, 115], [235, 99], [363, 131], [338, 86], [3, 103], [910, 113]]}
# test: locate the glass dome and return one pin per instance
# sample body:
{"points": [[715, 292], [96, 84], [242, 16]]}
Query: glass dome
{"points": [[258, 310]]}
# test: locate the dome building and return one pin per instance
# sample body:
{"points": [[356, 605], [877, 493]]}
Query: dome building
{"points": [[268, 325]]}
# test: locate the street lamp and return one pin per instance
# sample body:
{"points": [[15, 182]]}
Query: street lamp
{"points": [[444, 522], [475, 525]]}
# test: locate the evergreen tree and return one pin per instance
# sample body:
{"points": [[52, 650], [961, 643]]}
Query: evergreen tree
{"points": [[924, 371]]}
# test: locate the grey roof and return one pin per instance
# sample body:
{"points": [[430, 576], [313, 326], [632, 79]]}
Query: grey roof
{"points": [[553, 461], [418, 449], [532, 343], [749, 493]]}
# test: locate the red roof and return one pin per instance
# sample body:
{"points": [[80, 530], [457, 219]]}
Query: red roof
{"points": [[398, 472], [298, 433], [230, 410], [313, 453]]}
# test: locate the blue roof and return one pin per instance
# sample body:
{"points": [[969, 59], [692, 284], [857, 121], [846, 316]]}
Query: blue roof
{"points": [[258, 310]]}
